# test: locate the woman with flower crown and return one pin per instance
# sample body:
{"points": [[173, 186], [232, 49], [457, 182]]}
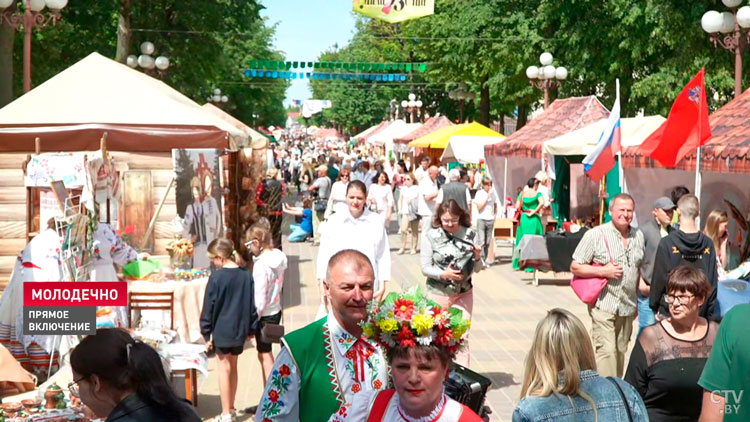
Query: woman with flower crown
{"points": [[419, 338]]}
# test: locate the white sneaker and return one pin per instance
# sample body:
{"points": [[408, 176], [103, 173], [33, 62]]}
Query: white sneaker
{"points": [[224, 418], [400, 251]]}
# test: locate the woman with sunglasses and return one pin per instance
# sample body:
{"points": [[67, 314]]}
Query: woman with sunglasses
{"points": [[228, 316], [669, 356], [124, 380]]}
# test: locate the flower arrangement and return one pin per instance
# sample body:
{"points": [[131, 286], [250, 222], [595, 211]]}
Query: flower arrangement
{"points": [[126, 234], [411, 319]]}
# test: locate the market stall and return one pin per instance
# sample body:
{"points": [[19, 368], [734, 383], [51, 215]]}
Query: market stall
{"points": [[525, 149], [434, 143], [401, 144], [384, 138]]}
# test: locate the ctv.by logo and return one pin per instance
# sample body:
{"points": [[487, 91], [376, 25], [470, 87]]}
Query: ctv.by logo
{"points": [[732, 400]]}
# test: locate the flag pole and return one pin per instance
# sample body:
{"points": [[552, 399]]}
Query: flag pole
{"points": [[620, 172]]}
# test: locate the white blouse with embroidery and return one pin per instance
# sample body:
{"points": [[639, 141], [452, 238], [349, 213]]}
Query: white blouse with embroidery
{"points": [[358, 368], [448, 410]]}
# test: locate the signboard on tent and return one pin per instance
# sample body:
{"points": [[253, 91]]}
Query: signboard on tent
{"points": [[393, 11]]}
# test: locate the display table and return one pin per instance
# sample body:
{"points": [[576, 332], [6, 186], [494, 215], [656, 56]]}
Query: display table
{"points": [[188, 302], [551, 252], [561, 247]]}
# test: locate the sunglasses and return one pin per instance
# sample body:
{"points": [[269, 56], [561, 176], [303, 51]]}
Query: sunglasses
{"points": [[250, 242]]}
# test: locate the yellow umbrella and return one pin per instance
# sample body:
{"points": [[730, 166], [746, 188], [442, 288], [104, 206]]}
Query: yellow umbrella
{"points": [[439, 138], [427, 140]]}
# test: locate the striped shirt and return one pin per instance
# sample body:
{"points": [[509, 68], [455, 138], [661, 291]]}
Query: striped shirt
{"points": [[619, 295]]}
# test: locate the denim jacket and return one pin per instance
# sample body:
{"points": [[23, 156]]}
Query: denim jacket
{"points": [[609, 404]]}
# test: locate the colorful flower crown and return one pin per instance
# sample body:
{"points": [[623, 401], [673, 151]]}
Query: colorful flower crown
{"points": [[411, 319]]}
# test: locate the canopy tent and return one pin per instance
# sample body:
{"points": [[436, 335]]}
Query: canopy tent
{"points": [[327, 134], [439, 138], [432, 124], [372, 131], [466, 149], [728, 151], [71, 111], [255, 139], [633, 131], [365, 133], [396, 129], [569, 150], [725, 164], [525, 146]]}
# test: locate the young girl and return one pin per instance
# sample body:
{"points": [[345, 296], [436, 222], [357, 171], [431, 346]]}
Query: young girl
{"points": [[228, 316], [268, 275]]}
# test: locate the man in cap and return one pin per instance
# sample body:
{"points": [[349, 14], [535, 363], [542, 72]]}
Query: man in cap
{"points": [[653, 231]]}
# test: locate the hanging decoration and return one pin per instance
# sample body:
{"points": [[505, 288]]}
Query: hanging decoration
{"points": [[275, 74], [340, 66], [393, 11]]}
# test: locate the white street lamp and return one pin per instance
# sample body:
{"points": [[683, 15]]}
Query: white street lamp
{"points": [[132, 61], [728, 29], [147, 48], [547, 76], [162, 63]]}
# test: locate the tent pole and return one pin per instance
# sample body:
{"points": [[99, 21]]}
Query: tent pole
{"points": [[603, 196], [698, 181]]}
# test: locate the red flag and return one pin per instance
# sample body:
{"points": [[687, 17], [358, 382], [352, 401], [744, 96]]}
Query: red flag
{"points": [[685, 129]]}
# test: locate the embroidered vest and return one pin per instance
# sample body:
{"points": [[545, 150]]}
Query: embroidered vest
{"points": [[319, 393]]}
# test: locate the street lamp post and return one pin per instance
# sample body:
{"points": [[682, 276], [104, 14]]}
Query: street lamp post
{"points": [[217, 98], [730, 30], [146, 61], [31, 17], [461, 95], [411, 105], [547, 76]]}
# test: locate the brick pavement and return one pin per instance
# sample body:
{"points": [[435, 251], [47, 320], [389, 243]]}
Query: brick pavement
{"points": [[507, 308]]}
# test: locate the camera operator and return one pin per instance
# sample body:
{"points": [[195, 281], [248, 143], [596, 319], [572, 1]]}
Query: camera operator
{"points": [[450, 254]]}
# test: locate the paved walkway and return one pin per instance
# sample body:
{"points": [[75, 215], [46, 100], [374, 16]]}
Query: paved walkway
{"points": [[507, 308]]}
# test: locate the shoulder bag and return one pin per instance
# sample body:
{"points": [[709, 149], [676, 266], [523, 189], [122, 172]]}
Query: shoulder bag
{"points": [[589, 289], [622, 396]]}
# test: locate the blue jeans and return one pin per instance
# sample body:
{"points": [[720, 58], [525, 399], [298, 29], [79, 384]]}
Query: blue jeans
{"points": [[645, 314], [297, 235]]}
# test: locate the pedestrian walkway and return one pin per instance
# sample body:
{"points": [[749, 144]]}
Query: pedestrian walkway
{"points": [[507, 308]]}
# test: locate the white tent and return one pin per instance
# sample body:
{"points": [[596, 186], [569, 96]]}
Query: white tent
{"points": [[140, 113], [397, 129], [633, 131], [467, 149]]}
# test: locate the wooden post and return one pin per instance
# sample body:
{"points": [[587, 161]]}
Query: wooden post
{"points": [[103, 147], [603, 196], [30, 195]]}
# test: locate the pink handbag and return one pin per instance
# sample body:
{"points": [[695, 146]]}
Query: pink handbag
{"points": [[589, 289]]}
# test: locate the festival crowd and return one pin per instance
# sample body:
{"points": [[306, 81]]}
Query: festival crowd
{"points": [[372, 356]]}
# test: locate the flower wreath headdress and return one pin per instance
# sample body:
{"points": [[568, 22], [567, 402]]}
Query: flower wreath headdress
{"points": [[410, 319]]}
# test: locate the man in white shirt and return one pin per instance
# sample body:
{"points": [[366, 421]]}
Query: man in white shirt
{"points": [[486, 202], [421, 171], [322, 366], [428, 192]]}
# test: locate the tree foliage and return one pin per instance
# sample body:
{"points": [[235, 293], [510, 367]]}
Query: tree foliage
{"points": [[208, 43], [654, 47]]}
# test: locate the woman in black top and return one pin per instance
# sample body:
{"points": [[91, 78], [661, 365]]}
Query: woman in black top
{"points": [[124, 380], [669, 356], [228, 316]]}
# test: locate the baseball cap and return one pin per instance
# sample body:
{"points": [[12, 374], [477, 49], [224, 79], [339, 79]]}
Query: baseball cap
{"points": [[541, 176], [664, 203]]}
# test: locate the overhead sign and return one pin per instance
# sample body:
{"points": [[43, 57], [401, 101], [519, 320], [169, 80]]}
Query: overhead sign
{"points": [[393, 11]]}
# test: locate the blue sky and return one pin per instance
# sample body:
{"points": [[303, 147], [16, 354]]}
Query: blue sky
{"points": [[305, 28]]}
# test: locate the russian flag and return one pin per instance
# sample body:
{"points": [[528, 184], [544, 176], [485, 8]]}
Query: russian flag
{"points": [[602, 158]]}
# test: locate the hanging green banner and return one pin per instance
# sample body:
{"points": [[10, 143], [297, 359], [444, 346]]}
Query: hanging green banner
{"points": [[393, 11]]}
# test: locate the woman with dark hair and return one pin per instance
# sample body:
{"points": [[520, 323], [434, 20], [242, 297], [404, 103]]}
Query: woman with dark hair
{"points": [[450, 254], [380, 197], [419, 356], [669, 356], [360, 229], [124, 380], [530, 202]]}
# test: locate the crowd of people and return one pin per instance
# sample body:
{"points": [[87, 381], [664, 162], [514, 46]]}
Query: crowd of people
{"points": [[371, 356]]}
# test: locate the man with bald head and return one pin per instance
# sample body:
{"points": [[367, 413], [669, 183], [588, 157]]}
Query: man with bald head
{"points": [[323, 365]]}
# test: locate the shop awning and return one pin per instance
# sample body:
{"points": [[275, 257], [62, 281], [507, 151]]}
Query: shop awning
{"points": [[633, 131], [71, 111], [439, 138], [432, 124], [466, 149], [373, 131], [562, 116]]}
